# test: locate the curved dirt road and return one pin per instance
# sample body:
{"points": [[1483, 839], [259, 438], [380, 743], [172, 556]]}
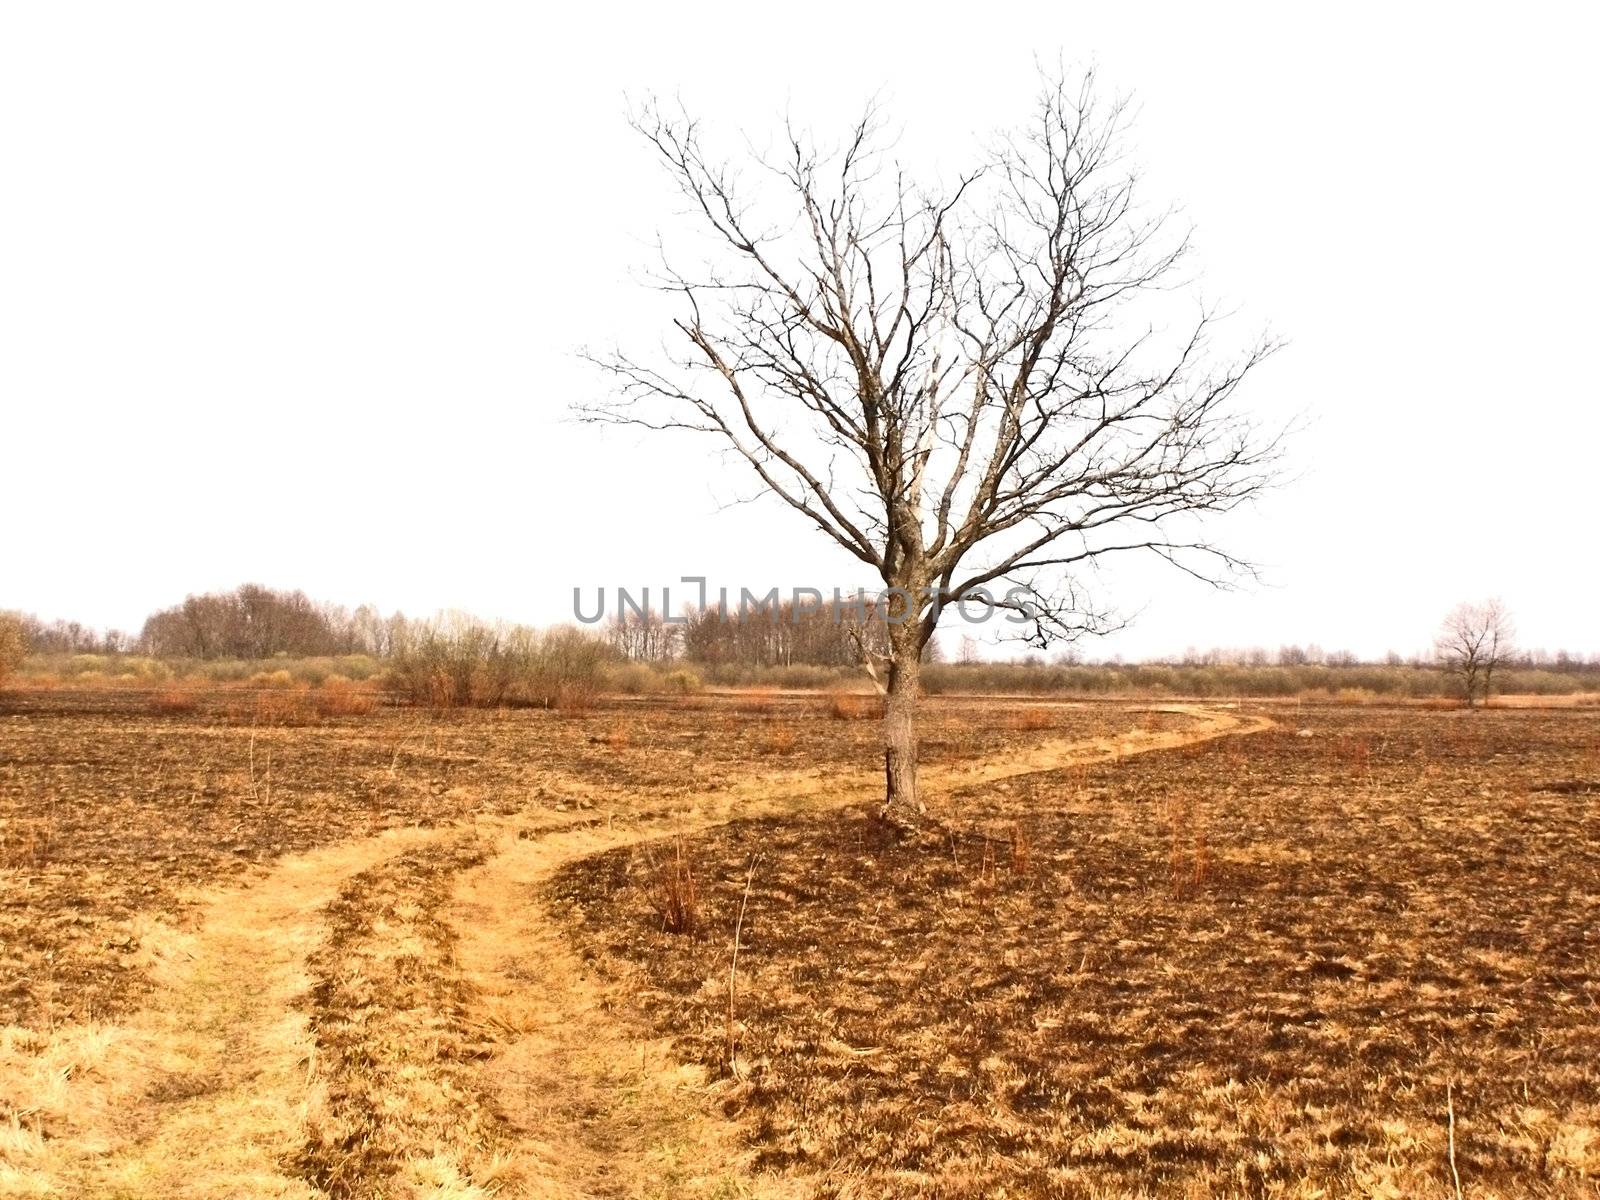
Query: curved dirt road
{"points": [[396, 1016]]}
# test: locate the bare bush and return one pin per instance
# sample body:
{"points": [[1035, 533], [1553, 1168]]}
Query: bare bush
{"points": [[682, 682], [13, 645], [340, 697], [461, 661]]}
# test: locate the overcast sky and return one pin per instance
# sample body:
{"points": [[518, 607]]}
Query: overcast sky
{"points": [[292, 293]]}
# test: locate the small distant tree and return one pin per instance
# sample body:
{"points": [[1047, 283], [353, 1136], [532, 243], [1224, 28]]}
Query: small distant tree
{"points": [[13, 644], [968, 654], [1472, 642]]}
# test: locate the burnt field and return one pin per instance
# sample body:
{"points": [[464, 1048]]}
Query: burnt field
{"points": [[1356, 954], [252, 944], [115, 811]]}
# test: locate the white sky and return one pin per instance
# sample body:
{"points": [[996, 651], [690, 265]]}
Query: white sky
{"points": [[291, 293]]}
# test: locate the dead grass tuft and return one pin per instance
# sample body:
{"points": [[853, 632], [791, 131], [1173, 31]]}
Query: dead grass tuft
{"points": [[779, 740], [756, 703], [1021, 850], [673, 893], [853, 706], [615, 738], [1188, 854], [1032, 719], [177, 700], [341, 697], [285, 708]]}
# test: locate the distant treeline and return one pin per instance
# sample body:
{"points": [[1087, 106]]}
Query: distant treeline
{"points": [[768, 633], [250, 622], [1415, 680], [255, 622], [456, 659]]}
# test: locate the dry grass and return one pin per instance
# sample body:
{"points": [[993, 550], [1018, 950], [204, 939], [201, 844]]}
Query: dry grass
{"points": [[287, 708], [13, 646], [853, 706], [1021, 850], [24, 843], [1032, 719], [395, 1112], [202, 1092], [267, 700], [340, 697], [135, 811], [779, 740], [177, 700], [757, 702], [616, 738], [168, 1062], [1251, 968]]}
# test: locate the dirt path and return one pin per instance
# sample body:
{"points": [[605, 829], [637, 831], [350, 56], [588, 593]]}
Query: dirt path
{"points": [[596, 1108], [396, 1016]]}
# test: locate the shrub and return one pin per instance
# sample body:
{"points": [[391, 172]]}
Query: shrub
{"points": [[13, 645], [272, 679], [458, 660], [633, 679], [341, 697], [568, 671], [794, 677], [682, 682]]}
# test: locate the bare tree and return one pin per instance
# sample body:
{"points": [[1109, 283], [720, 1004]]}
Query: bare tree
{"points": [[974, 389], [1472, 642], [968, 654]]}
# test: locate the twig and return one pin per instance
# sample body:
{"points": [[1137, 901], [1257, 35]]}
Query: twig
{"points": [[733, 963], [1450, 1111]]}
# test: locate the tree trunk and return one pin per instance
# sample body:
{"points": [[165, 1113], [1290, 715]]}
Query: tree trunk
{"points": [[902, 803]]}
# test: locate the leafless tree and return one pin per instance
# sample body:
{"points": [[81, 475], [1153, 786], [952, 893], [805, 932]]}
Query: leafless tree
{"points": [[977, 389], [643, 635], [967, 655], [1472, 642]]}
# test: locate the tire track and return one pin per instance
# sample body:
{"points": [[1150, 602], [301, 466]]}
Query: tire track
{"points": [[396, 1016], [598, 1107]]}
